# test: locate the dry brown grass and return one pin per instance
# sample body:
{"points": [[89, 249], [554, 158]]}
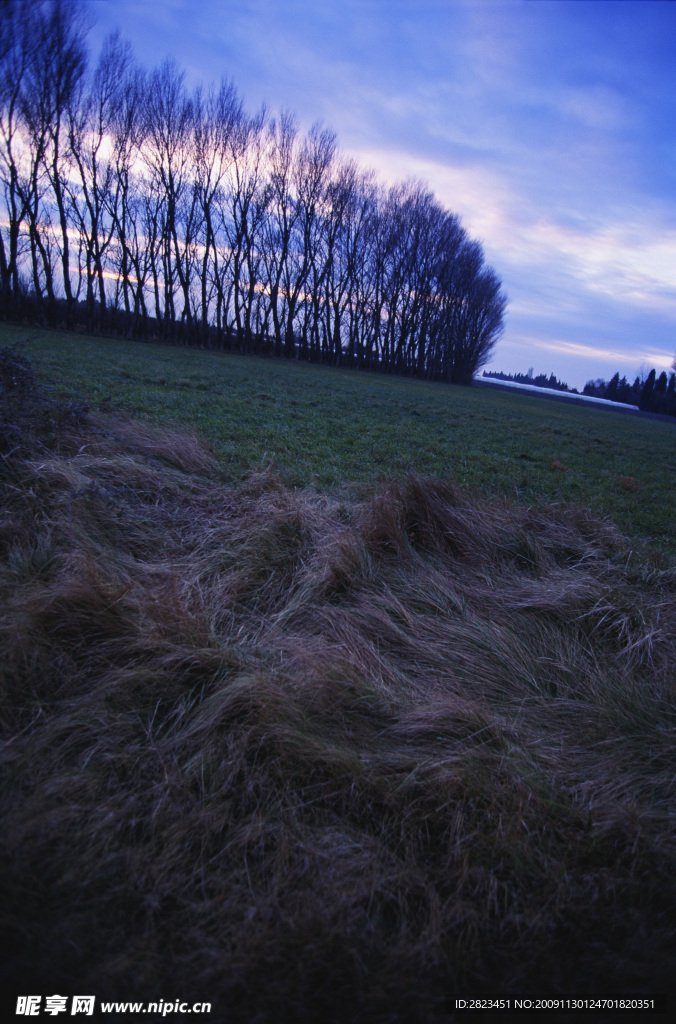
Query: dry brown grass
{"points": [[628, 483], [313, 760]]}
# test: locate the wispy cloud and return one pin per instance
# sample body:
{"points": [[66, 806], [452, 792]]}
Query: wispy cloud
{"points": [[613, 355]]}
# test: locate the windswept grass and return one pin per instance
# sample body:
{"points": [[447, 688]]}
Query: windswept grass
{"points": [[312, 758], [327, 429]]}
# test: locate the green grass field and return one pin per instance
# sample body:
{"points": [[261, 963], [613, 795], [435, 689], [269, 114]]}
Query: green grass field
{"points": [[335, 429]]}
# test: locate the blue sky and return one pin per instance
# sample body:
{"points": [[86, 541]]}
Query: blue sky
{"points": [[548, 125]]}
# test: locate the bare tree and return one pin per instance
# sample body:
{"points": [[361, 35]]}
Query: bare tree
{"points": [[311, 171], [130, 255], [218, 117], [327, 275], [282, 214], [53, 86], [167, 152], [244, 218], [351, 282], [17, 54], [472, 310], [98, 181]]}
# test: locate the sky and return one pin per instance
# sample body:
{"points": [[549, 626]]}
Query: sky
{"points": [[549, 126]]}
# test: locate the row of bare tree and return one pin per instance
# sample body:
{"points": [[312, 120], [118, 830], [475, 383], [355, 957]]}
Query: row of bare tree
{"points": [[132, 205]]}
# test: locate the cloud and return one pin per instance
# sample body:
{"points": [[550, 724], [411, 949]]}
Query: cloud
{"points": [[630, 261], [632, 264], [599, 107], [617, 355]]}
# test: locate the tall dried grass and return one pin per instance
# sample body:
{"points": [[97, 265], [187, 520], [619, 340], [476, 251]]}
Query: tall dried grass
{"points": [[317, 759]]}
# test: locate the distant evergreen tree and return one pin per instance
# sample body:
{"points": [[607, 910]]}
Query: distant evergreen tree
{"points": [[541, 381], [671, 395], [646, 399], [660, 394], [624, 391], [595, 388], [617, 389], [654, 394]]}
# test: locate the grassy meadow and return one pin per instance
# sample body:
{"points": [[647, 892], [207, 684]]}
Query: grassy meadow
{"points": [[296, 723], [331, 430]]}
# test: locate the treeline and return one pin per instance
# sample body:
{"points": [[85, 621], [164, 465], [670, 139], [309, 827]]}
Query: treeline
{"points": [[135, 206], [652, 393], [541, 381]]}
